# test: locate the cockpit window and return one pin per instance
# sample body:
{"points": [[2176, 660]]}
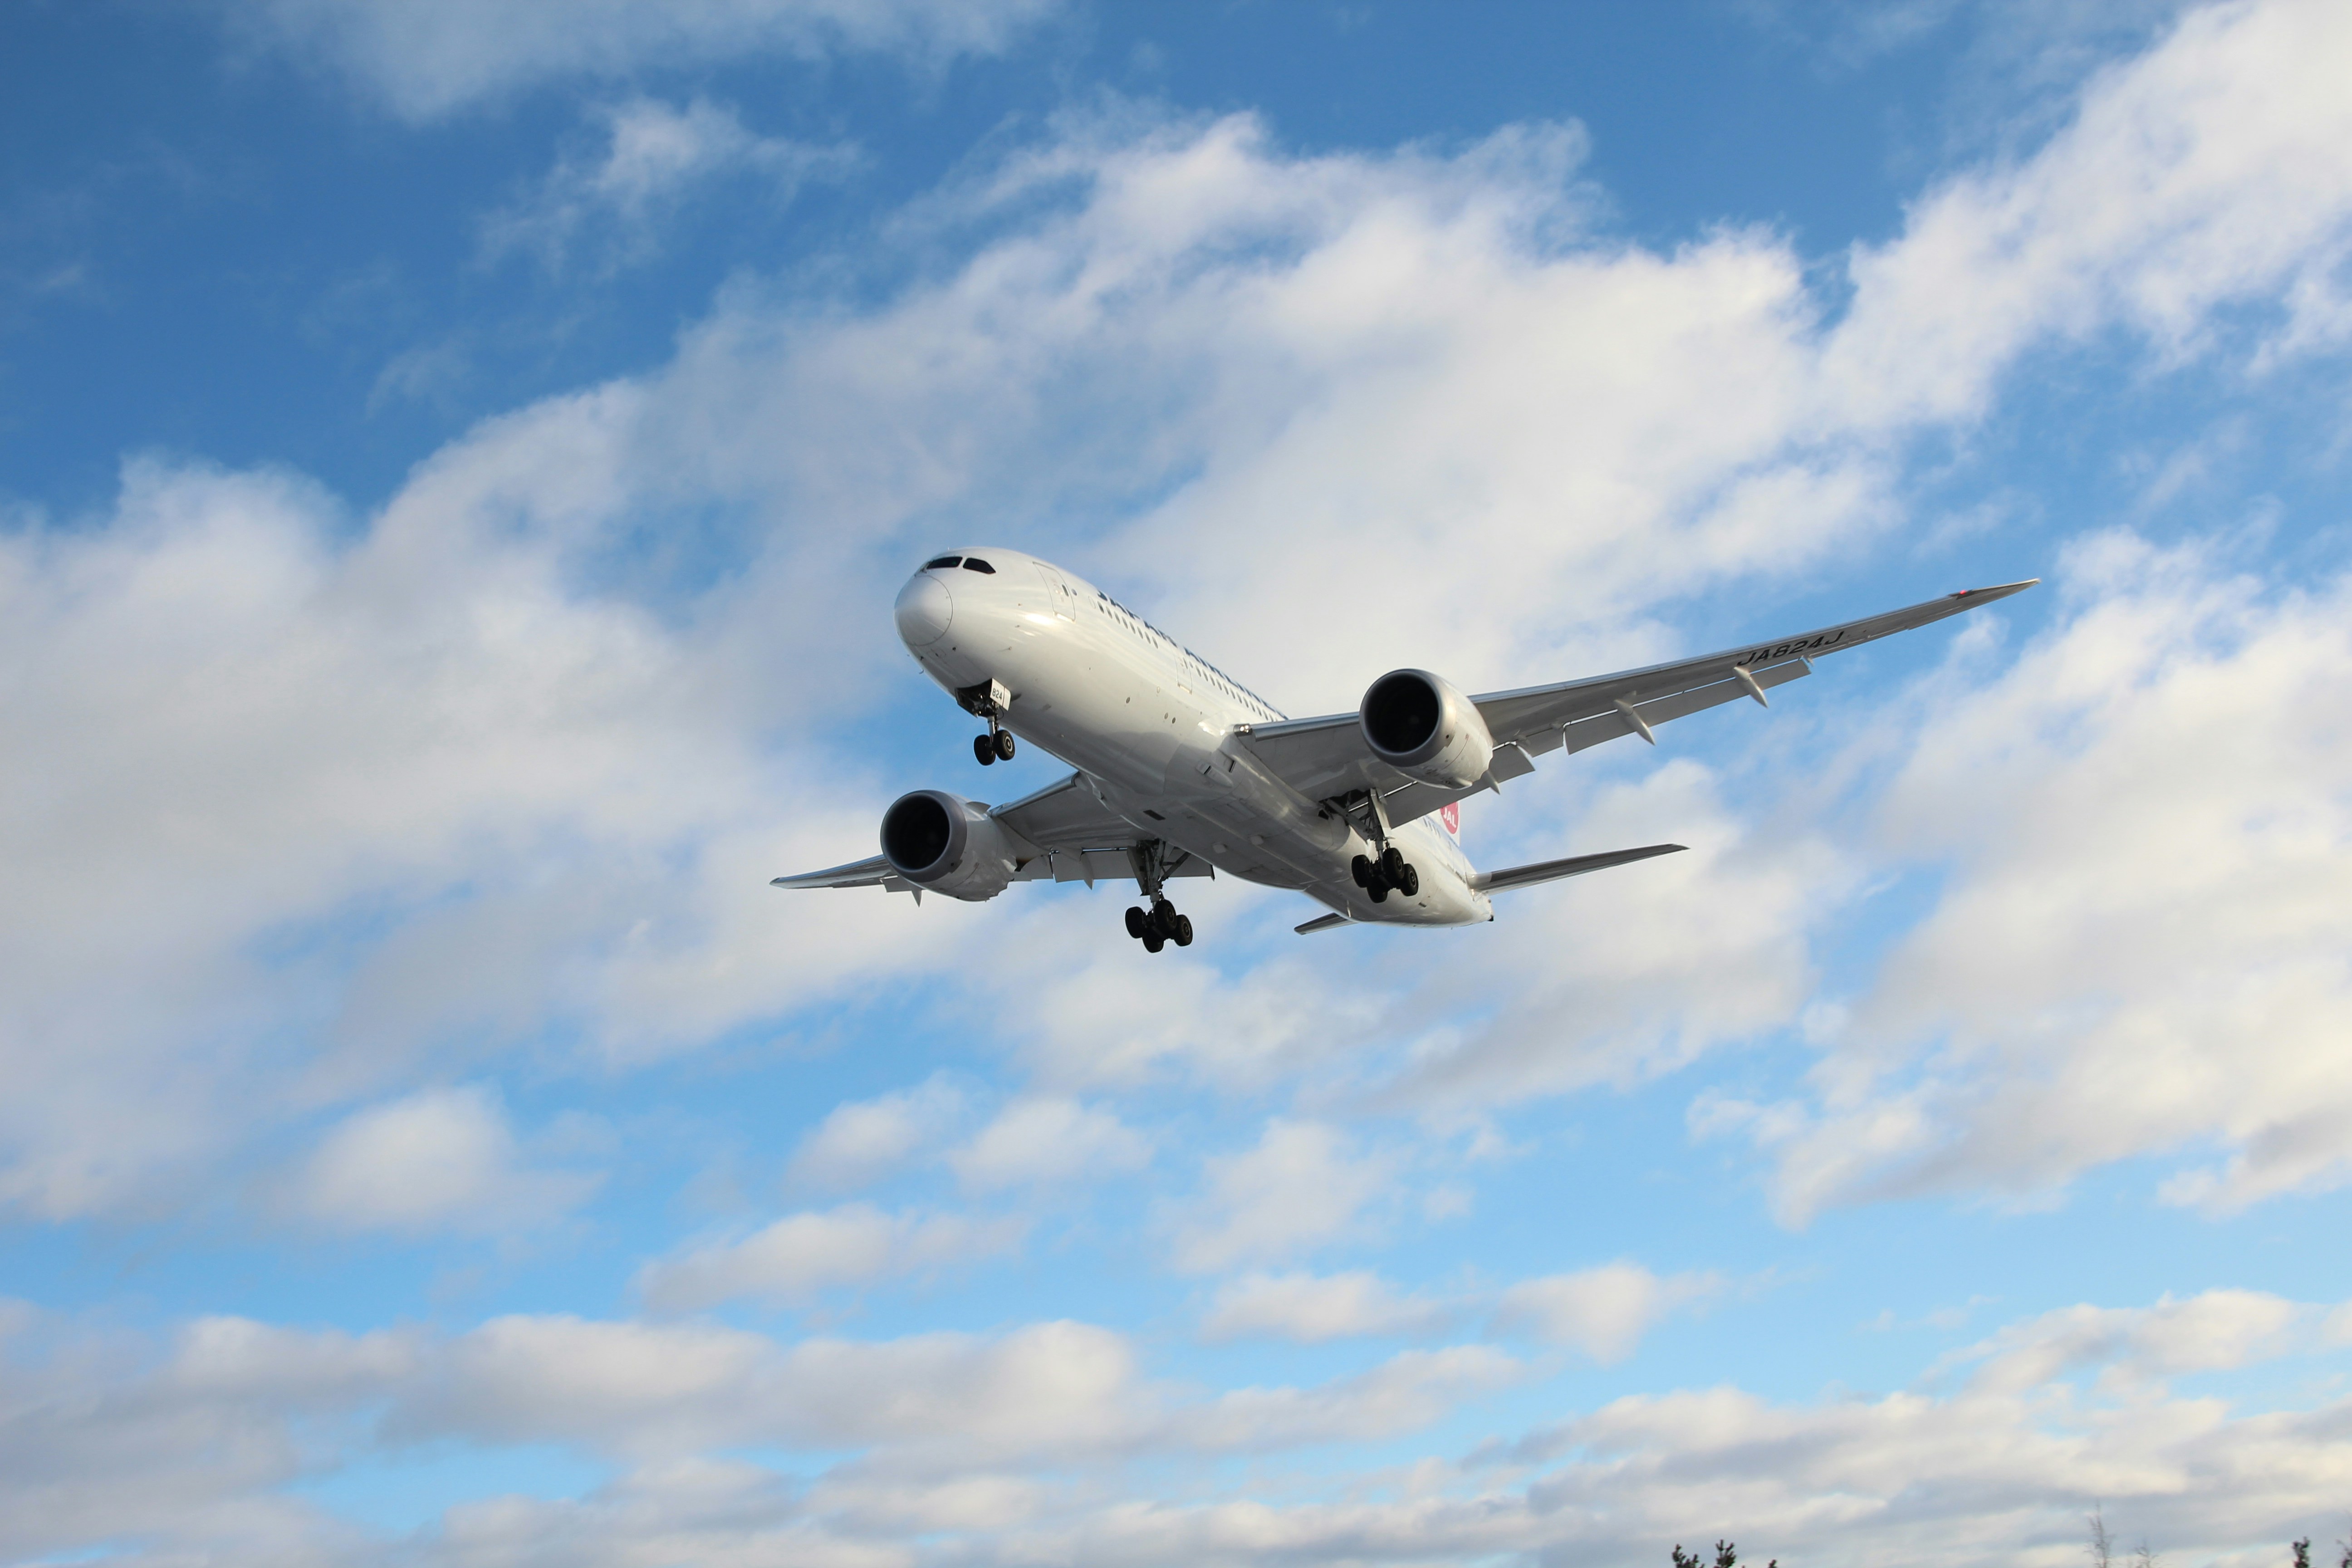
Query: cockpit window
{"points": [[974, 563], [943, 561]]}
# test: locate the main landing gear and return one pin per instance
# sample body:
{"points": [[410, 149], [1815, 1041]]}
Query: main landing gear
{"points": [[1391, 871], [1160, 927], [994, 745], [1154, 863]]}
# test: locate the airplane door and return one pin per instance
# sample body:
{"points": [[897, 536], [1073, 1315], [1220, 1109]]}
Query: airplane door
{"points": [[1063, 599]]}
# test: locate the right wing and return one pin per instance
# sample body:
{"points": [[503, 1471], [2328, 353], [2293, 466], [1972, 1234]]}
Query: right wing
{"points": [[1073, 837], [1079, 839], [1327, 757]]}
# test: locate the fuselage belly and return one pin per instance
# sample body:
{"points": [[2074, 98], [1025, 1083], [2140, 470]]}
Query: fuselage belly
{"points": [[1159, 735]]}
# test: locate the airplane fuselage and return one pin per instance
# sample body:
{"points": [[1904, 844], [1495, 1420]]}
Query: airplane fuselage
{"points": [[1153, 730]]}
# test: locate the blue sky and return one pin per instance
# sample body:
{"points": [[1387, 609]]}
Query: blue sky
{"points": [[455, 464]]}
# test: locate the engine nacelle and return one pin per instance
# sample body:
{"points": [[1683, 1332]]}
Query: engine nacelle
{"points": [[1425, 729], [945, 844]]}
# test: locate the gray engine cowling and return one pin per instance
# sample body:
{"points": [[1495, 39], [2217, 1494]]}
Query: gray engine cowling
{"points": [[1425, 729], [945, 844]]}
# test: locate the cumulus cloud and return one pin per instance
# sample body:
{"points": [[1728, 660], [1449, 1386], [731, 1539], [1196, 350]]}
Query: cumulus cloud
{"points": [[1602, 1311], [427, 58], [1048, 1139], [1304, 1184], [198, 1441], [317, 794], [656, 158], [1312, 1309], [438, 1159], [2140, 948], [2213, 170], [2213, 1332], [368, 752], [802, 1254], [860, 1140]]}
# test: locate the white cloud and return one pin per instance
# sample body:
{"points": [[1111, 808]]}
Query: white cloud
{"points": [[1602, 1311], [2215, 1330], [427, 58], [996, 1449], [338, 801], [1305, 1184], [1312, 1309], [797, 1257], [1045, 1140], [441, 742], [2141, 945], [861, 1140], [440, 1159], [1412, 1389], [655, 159], [2214, 170]]}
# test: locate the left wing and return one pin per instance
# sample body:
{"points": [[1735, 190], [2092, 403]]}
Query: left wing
{"points": [[1327, 757]]}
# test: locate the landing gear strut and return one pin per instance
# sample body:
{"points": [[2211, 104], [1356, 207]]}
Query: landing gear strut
{"points": [[1388, 872], [1160, 925], [988, 700]]}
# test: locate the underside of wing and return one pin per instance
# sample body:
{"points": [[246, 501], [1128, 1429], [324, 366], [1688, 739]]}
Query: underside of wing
{"points": [[1580, 713], [1327, 758], [1078, 839]]}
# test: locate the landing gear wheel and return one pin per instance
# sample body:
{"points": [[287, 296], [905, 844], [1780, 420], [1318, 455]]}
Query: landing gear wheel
{"points": [[1361, 869], [1153, 941], [1410, 884], [1164, 919], [1183, 930], [984, 749], [1136, 923], [1003, 745], [1392, 864], [1379, 892]]}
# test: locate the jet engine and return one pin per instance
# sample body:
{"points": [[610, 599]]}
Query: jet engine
{"points": [[1424, 728], [945, 844]]}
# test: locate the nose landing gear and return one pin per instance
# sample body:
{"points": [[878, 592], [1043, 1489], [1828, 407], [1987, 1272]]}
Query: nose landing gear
{"points": [[988, 700], [1390, 872]]}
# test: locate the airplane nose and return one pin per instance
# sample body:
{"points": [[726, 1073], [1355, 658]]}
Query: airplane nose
{"points": [[925, 608]]}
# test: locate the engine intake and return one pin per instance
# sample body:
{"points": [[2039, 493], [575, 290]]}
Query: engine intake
{"points": [[1427, 731], [945, 844]]}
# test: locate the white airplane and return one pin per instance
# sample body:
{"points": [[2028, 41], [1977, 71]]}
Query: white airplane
{"points": [[1184, 772]]}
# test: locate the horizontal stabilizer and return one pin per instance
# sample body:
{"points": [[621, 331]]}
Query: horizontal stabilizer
{"points": [[876, 872], [1323, 923], [1512, 877]]}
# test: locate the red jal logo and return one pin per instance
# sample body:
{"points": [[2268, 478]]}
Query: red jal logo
{"points": [[1450, 814]]}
